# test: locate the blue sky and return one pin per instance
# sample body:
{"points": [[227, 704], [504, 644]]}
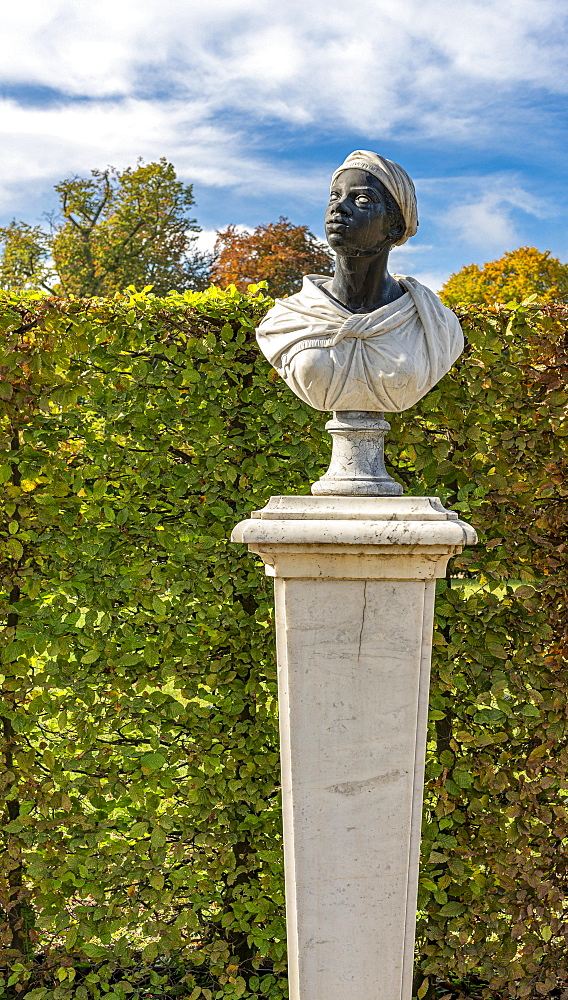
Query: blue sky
{"points": [[256, 103]]}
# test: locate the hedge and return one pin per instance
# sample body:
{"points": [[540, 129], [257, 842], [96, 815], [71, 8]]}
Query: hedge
{"points": [[141, 848]]}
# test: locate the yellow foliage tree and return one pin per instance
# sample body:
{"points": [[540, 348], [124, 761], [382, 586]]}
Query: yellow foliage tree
{"points": [[514, 277]]}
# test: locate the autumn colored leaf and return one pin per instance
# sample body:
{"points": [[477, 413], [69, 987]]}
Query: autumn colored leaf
{"points": [[278, 253]]}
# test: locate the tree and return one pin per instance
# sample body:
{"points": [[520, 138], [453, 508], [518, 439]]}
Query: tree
{"points": [[25, 260], [513, 278], [114, 229], [279, 253]]}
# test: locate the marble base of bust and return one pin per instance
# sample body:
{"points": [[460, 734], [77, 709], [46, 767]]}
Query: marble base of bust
{"points": [[354, 587], [357, 466]]}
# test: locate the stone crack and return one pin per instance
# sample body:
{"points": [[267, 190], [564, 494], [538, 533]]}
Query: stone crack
{"points": [[362, 620]]}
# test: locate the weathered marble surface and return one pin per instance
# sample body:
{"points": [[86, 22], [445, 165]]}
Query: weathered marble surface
{"points": [[354, 587], [385, 359], [344, 508], [357, 466]]}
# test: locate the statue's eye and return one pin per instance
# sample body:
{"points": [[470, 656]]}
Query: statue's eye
{"points": [[333, 196], [363, 199]]}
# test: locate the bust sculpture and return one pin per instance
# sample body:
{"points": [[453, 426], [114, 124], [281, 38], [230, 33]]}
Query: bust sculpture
{"points": [[364, 341]]}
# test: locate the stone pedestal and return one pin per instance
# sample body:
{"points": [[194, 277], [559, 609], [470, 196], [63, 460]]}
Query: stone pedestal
{"points": [[354, 586]]}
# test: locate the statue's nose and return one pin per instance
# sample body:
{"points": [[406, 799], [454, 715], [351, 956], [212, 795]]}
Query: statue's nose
{"points": [[339, 208]]}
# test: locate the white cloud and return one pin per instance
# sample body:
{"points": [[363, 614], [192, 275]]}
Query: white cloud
{"points": [[42, 145], [427, 65], [487, 218], [432, 279], [205, 241], [486, 223], [410, 250]]}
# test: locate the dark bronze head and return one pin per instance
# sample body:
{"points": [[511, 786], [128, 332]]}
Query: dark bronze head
{"points": [[362, 217]]}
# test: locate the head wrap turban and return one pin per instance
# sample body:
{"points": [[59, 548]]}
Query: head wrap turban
{"points": [[394, 178]]}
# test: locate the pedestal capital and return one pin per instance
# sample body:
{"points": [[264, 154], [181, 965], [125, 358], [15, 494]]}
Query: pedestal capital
{"points": [[354, 538]]}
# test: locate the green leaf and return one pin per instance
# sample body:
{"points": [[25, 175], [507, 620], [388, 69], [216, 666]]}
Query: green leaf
{"points": [[150, 952], [152, 761], [91, 656], [71, 938], [158, 838], [452, 909], [94, 951], [139, 829], [14, 548], [462, 778]]}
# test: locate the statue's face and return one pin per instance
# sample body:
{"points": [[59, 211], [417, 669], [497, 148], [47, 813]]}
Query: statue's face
{"points": [[357, 221]]}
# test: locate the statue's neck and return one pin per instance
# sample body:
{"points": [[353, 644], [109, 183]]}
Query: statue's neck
{"points": [[363, 284]]}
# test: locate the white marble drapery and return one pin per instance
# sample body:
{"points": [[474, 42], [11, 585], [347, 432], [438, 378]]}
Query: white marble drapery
{"points": [[383, 360]]}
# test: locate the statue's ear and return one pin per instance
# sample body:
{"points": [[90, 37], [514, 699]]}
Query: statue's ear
{"points": [[396, 231]]}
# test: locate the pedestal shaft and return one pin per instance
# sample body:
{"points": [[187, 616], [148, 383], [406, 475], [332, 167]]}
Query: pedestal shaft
{"points": [[353, 656]]}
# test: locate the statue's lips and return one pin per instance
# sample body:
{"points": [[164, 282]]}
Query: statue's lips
{"points": [[337, 227]]}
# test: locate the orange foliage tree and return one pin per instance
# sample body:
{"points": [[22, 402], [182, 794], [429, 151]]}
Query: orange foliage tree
{"points": [[513, 278], [279, 253]]}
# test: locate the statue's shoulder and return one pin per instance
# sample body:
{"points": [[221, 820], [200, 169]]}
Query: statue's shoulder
{"points": [[309, 301], [427, 301], [309, 292]]}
